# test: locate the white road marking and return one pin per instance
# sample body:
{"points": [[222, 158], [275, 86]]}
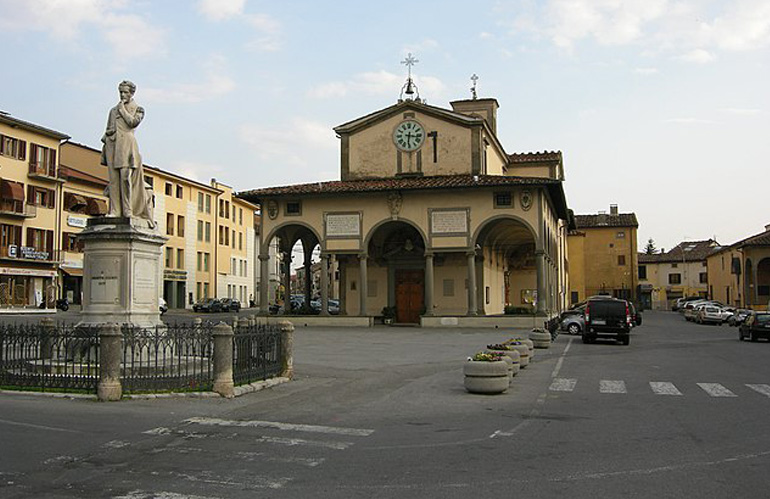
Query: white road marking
{"points": [[140, 494], [263, 456], [664, 388], [161, 430], [563, 385], [356, 432], [763, 389], [612, 386], [716, 390], [559, 362], [311, 443]]}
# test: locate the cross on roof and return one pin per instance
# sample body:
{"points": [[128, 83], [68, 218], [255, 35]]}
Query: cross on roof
{"points": [[409, 62], [474, 79]]}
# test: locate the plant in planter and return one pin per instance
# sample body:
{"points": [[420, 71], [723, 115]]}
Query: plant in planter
{"points": [[540, 337], [486, 372], [525, 355], [510, 353], [388, 315]]}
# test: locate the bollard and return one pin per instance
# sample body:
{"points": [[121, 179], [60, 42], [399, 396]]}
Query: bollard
{"points": [[287, 337], [111, 346], [223, 360], [235, 322], [48, 330]]}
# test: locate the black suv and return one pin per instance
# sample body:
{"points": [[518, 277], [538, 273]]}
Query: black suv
{"points": [[607, 317]]}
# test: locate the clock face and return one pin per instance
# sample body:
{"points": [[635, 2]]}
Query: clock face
{"points": [[409, 135]]}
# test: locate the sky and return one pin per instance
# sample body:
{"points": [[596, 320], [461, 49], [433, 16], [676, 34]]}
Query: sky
{"points": [[659, 106]]}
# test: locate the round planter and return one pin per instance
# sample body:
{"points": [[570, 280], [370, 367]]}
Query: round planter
{"points": [[529, 344], [541, 339], [486, 377], [511, 356], [524, 356]]}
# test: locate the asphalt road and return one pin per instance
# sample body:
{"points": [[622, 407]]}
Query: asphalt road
{"points": [[382, 413]]}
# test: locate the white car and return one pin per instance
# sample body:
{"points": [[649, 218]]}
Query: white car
{"points": [[710, 314]]}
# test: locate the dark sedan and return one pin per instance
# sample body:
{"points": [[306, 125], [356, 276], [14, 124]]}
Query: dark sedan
{"points": [[756, 325], [230, 305], [209, 305]]}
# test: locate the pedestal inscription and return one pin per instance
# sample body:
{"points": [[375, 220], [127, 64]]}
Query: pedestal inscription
{"points": [[105, 280], [145, 281]]}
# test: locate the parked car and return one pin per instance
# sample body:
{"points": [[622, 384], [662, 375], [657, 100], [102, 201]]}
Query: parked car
{"points": [[681, 302], [333, 306], [572, 321], [710, 314], [739, 315], [691, 310], [636, 315], [163, 306], [208, 305], [230, 305], [756, 325], [607, 318]]}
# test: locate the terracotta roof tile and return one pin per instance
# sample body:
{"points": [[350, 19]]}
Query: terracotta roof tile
{"points": [[535, 157], [605, 220], [689, 251]]}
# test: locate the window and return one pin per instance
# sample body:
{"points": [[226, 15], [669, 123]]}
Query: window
{"points": [[621, 259], [199, 266], [227, 236], [41, 240], [170, 224], [179, 192], [198, 294], [206, 259], [704, 277], [245, 268], [40, 196], [227, 209], [149, 180], [70, 243], [449, 287], [233, 266], [208, 232], [200, 201], [240, 216], [293, 208], [179, 258], [13, 148], [9, 234], [221, 235], [620, 235], [240, 240], [208, 203], [221, 207], [42, 160], [642, 271], [180, 225], [675, 278], [169, 257], [200, 230], [205, 290], [674, 265], [503, 200], [169, 189]]}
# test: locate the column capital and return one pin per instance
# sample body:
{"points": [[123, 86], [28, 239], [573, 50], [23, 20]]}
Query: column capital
{"points": [[263, 257], [429, 254], [362, 256]]}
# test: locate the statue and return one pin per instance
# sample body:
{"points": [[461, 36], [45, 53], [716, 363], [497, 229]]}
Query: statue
{"points": [[128, 194]]}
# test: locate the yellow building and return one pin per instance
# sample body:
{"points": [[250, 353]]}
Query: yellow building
{"points": [[30, 200], [664, 277], [739, 274], [603, 256], [432, 219]]}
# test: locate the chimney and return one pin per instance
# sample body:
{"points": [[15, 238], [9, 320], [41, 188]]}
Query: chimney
{"points": [[613, 209], [767, 227], [484, 108]]}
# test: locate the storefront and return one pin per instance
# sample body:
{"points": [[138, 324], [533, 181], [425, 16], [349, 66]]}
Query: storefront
{"points": [[27, 289]]}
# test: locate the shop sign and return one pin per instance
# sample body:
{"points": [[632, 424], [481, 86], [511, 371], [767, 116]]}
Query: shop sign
{"points": [[176, 275], [27, 272], [73, 221], [32, 254]]}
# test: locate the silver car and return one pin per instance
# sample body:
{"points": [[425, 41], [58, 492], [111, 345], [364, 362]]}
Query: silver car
{"points": [[572, 322]]}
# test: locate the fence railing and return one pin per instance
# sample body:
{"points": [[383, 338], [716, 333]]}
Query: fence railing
{"points": [[169, 358]]}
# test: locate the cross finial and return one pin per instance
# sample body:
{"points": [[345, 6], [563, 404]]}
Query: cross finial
{"points": [[409, 62], [474, 79]]}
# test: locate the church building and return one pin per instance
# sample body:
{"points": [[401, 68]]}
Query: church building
{"points": [[432, 221]]}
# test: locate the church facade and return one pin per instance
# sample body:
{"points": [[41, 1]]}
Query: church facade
{"points": [[432, 221]]}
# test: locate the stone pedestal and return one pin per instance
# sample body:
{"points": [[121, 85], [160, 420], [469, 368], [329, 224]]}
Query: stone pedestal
{"points": [[121, 272]]}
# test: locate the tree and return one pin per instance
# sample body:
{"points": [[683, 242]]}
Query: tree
{"points": [[650, 249]]}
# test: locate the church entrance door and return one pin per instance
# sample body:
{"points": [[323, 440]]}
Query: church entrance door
{"points": [[410, 285]]}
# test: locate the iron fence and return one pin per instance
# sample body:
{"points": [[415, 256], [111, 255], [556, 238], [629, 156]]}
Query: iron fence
{"points": [[49, 358], [167, 358], [257, 352]]}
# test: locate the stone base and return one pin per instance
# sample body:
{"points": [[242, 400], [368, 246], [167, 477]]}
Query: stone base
{"points": [[121, 272]]}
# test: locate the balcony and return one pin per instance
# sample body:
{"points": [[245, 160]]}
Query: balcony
{"points": [[28, 254], [43, 172], [17, 209]]}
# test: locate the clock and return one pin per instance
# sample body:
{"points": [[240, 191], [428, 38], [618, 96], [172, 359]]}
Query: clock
{"points": [[409, 135]]}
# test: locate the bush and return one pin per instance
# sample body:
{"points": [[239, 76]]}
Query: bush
{"points": [[511, 310]]}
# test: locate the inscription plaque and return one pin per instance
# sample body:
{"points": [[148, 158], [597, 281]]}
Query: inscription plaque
{"points": [[343, 225], [105, 280], [449, 222], [145, 286]]}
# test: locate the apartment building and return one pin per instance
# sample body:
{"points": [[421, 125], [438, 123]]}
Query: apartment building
{"points": [[739, 274], [30, 201]]}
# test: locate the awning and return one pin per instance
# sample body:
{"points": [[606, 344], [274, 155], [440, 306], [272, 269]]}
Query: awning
{"points": [[72, 200], [97, 206], [72, 271], [12, 190]]}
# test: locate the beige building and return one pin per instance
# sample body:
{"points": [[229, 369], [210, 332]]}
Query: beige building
{"points": [[739, 274], [664, 277], [432, 218], [603, 256], [30, 203]]}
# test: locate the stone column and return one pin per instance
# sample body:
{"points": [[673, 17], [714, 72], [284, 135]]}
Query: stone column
{"points": [[362, 289], [324, 284], [287, 350], [429, 285], [287, 283], [541, 285], [48, 329], [264, 284], [110, 355], [223, 360], [308, 278], [472, 302]]}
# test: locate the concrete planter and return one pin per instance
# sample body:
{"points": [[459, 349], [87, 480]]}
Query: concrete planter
{"points": [[541, 338], [486, 377], [513, 357], [524, 353]]}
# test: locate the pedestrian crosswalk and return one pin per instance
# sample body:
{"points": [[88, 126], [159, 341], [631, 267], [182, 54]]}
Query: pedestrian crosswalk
{"points": [[666, 388]]}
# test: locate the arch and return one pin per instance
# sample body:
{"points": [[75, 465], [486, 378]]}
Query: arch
{"points": [[497, 218], [376, 227], [265, 242], [763, 281]]}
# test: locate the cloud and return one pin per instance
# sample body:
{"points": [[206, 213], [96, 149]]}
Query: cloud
{"points": [[129, 35], [201, 172], [698, 56], [690, 121], [216, 83], [741, 111], [279, 144], [646, 71], [377, 83], [218, 10]]}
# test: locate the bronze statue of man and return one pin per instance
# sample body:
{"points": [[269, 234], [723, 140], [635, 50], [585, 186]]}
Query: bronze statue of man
{"points": [[120, 153]]}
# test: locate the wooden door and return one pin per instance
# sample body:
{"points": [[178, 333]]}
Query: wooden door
{"points": [[409, 295]]}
